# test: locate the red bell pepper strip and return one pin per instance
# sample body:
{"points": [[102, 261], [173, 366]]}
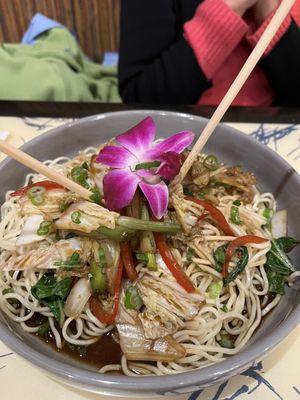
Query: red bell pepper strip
{"points": [[48, 185], [128, 262], [172, 264], [235, 244], [215, 214], [96, 308]]}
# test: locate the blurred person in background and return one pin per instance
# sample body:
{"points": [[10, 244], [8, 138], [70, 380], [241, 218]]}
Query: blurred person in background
{"points": [[190, 51]]}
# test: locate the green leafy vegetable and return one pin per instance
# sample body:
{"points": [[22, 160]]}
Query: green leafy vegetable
{"points": [[278, 264], [52, 293], [287, 243], [277, 260], [44, 329], [276, 282], [133, 299], [85, 166], [240, 265]]}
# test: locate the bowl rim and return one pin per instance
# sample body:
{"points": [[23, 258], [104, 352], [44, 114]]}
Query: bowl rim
{"points": [[163, 383]]}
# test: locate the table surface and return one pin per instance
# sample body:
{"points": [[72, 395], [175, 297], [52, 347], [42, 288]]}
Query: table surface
{"points": [[277, 375]]}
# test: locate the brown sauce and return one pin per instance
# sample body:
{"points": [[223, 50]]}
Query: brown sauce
{"points": [[105, 351]]}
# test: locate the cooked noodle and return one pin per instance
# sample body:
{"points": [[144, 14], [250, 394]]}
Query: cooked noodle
{"points": [[238, 310]]}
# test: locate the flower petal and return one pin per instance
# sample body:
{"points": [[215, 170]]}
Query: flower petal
{"points": [[139, 138], [116, 157], [176, 143], [157, 196], [119, 187], [170, 165]]}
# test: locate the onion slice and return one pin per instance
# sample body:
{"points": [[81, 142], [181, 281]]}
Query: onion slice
{"points": [[279, 224], [78, 297]]}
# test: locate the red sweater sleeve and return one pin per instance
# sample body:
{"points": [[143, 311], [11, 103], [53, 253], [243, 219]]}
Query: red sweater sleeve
{"points": [[213, 33], [253, 37]]}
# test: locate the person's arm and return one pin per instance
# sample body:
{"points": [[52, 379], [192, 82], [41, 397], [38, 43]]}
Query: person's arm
{"points": [[281, 62], [157, 65], [215, 31]]}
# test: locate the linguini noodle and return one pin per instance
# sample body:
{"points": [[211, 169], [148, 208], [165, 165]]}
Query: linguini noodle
{"points": [[237, 311]]}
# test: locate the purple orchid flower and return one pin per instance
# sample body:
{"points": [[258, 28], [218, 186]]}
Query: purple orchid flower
{"points": [[138, 161]]}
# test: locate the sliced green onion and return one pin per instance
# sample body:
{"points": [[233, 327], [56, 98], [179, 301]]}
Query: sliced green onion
{"points": [[95, 197], [211, 162], [151, 263], [215, 290], [35, 191], [98, 278], [63, 206], [224, 308], [142, 257], [38, 200], [190, 254], [44, 228], [234, 215], [202, 193], [79, 174], [133, 299], [102, 258], [237, 202], [268, 213], [147, 165], [75, 217], [226, 341], [219, 257]]}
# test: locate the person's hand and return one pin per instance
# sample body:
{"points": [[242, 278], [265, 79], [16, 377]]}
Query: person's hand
{"points": [[263, 8], [240, 6]]}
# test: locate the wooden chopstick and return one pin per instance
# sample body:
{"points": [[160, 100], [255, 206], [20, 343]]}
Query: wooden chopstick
{"points": [[41, 168], [236, 86]]}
